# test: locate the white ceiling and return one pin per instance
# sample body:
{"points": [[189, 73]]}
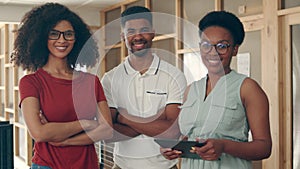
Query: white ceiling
{"points": [[70, 3]]}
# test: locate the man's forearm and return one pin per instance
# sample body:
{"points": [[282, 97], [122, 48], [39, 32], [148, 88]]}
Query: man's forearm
{"points": [[122, 132], [158, 128]]}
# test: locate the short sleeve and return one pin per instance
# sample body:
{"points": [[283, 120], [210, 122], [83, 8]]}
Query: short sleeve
{"points": [[28, 87], [99, 90], [176, 88], [106, 82]]}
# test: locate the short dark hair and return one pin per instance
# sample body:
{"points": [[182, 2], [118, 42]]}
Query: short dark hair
{"points": [[226, 20], [30, 47], [136, 12]]}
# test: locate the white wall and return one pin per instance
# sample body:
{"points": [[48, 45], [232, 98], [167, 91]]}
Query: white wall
{"points": [[14, 14], [90, 15]]}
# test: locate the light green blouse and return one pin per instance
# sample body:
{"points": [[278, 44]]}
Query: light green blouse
{"points": [[220, 115]]}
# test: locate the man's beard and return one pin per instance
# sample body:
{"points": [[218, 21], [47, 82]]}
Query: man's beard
{"points": [[140, 53]]}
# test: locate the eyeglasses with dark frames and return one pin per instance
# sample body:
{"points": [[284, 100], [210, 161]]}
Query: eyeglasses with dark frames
{"points": [[55, 34], [221, 48]]}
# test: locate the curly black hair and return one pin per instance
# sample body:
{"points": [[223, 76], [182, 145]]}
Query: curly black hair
{"points": [[30, 47], [226, 20]]}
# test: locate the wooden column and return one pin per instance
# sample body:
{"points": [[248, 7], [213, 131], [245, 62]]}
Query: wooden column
{"points": [[270, 78]]}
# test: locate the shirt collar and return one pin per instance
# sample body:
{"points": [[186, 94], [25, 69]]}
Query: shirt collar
{"points": [[153, 69]]}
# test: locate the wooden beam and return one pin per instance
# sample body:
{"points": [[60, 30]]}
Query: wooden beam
{"points": [[218, 5], [270, 79]]}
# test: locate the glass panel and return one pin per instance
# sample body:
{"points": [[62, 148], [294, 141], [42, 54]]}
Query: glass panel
{"points": [[22, 145], [165, 6], [21, 118], [289, 3], [2, 40], [112, 27], [137, 3], [251, 46], [190, 37], [243, 7], [164, 23], [296, 94], [193, 11], [112, 58], [193, 67], [10, 88], [2, 72], [21, 73], [11, 118], [1, 103], [164, 16], [11, 37], [165, 49]]}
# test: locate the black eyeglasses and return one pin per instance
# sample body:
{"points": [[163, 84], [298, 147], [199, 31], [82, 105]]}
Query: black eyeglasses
{"points": [[221, 48], [55, 34]]}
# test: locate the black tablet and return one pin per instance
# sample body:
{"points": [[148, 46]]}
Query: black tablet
{"points": [[181, 145]]}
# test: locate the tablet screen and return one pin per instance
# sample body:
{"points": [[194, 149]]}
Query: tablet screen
{"points": [[181, 145]]}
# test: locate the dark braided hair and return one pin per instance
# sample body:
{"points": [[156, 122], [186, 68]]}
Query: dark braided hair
{"points": [[30, 47]]}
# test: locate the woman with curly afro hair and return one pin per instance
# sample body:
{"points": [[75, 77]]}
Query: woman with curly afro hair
{"points": [[65, 110]]}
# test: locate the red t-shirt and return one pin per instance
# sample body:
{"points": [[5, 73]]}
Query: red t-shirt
{"points": [[63, 101]]}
